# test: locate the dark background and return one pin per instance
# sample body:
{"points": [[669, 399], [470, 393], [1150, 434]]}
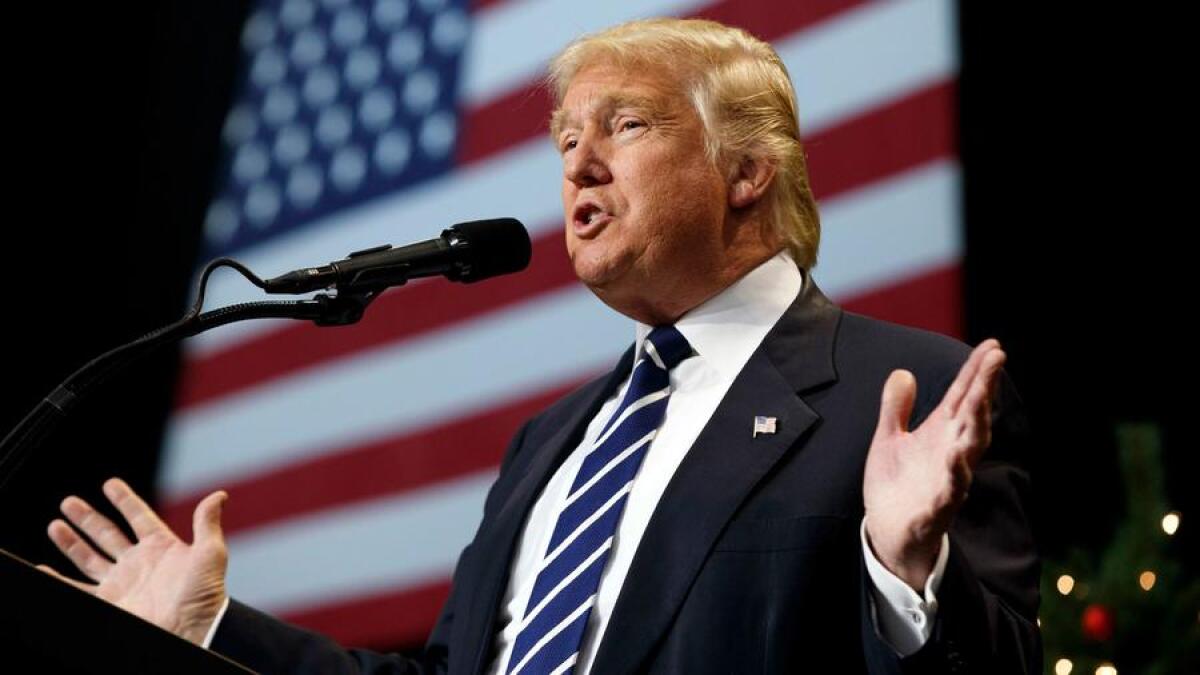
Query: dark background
{"points": [[1075, 167]]}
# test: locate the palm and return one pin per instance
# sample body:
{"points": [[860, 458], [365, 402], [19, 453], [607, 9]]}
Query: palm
{"points": [[160, 578], [906, 472], [156, 578], [914, 481]]}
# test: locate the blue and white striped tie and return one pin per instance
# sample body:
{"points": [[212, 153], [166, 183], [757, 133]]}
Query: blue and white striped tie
{"points": [[569, 575]]}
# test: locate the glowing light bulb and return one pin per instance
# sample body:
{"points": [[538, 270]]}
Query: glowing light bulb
{"points": [[1065, 583], [1106, 669], [1170, 522], [1063, 667], [1146, 580]]}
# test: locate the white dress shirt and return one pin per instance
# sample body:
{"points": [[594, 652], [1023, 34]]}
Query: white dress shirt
{"points": [[723, 331]]}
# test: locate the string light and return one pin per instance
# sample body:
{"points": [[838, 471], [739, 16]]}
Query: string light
{"points": [[1170, 522], [1063, 667], [1065, 583], [1106, 669], [1146, 580]]}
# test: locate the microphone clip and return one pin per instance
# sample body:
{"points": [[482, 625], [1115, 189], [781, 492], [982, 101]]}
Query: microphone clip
{"points": [[339, 309]]}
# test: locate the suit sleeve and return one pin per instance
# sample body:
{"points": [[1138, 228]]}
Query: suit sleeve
{"points": [[988, 598], [269, 645]]}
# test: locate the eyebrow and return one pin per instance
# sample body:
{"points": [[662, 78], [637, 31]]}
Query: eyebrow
{"points": [[561, 117]]}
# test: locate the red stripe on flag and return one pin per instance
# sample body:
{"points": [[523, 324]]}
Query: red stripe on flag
{"points": [[396, 315], [903, 134], [524, 113], [387, 467], [477, 5], [503, 122], [771, 20], [932, 300], [381, 621]]}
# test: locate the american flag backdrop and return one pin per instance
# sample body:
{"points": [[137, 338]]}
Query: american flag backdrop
{"points": [[357, 459]]}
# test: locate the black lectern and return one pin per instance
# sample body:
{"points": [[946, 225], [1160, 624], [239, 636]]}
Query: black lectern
{"points": [[60, 629]]}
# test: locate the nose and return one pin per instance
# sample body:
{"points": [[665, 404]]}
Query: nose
{"points": [[586, 164]]}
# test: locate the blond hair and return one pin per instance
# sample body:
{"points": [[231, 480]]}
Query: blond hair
{"points": [[740, 89]]}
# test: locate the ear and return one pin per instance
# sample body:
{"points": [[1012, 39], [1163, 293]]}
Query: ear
{"points": [[750, 180]]}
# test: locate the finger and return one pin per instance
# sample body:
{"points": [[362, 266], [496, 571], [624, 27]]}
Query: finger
{"points": [[977, 410], [962, 383], [206, 520], [137, 512], [969, 372], [977, 402], [96, 526], [86, 588], [899, 395], [78, 551]]}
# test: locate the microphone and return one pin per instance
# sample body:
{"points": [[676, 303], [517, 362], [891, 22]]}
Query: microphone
{"points": [[465, 252]]}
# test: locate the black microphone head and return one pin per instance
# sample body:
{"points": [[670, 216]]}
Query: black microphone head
{"points": [[488, 248]]}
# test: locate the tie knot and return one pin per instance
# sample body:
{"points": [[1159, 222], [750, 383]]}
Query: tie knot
{"points": [[667, 347]]}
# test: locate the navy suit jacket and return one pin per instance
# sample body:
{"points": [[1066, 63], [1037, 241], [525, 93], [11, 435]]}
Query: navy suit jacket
{"points": [[751, 562]]}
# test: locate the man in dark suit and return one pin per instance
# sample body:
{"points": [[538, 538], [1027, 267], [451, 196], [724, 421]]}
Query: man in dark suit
{"points": [[734, 496]]}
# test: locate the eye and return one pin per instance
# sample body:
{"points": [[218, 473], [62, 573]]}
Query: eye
{"points": [[569, 144], [628, 124]]}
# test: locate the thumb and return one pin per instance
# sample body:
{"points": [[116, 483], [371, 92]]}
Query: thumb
{"points": [[899, 395], [206, 520]]}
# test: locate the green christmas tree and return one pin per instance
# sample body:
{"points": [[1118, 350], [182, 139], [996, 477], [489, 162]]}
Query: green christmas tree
{"points": [[1132, 609]]}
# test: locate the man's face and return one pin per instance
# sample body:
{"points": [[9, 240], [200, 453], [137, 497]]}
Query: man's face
{"points": [[644, 207]]}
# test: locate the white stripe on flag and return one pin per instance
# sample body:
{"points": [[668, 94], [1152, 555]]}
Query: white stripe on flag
{"points": [[377, 546], [891, 230], [856, 62], [503, 54]]}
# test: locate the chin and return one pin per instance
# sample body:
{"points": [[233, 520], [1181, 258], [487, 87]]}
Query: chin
{"points": [[596, 272]]}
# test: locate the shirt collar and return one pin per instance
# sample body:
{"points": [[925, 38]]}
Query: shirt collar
{"points": [[726, 329]]}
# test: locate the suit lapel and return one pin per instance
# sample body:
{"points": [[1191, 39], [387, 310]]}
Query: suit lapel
{"points": [[719, 471], [486, 589]]}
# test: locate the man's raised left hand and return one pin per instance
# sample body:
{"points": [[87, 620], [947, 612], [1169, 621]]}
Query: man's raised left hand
{"points": [[915, 481]]}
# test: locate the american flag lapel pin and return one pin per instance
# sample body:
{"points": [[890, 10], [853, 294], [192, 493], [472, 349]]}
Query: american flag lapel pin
{"points": [[763, 425]]}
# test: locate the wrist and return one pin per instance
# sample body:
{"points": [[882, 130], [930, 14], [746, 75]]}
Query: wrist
{"points": [[911, 558], [198, 627]]}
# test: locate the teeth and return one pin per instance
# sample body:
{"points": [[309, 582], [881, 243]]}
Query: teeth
{"points": [[592, 214]]}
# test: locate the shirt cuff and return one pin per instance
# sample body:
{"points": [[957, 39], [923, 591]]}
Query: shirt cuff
{"points": [[212, 630], [902, 618]]}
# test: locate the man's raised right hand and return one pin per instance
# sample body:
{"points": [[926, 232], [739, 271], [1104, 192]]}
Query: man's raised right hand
{"points": [[160, 578]]}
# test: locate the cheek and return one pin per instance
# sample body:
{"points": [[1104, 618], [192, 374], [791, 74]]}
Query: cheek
{"points": [[568, 199], [568, 207], [684, 189]]}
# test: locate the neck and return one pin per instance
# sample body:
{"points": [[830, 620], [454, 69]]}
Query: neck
{"points": [[661, 302]]}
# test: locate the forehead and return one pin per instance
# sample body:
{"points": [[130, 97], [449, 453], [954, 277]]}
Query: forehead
{"points": [[599, 89]]}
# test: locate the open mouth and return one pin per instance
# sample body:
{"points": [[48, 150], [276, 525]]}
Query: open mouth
{"points": [[589, 217]]}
